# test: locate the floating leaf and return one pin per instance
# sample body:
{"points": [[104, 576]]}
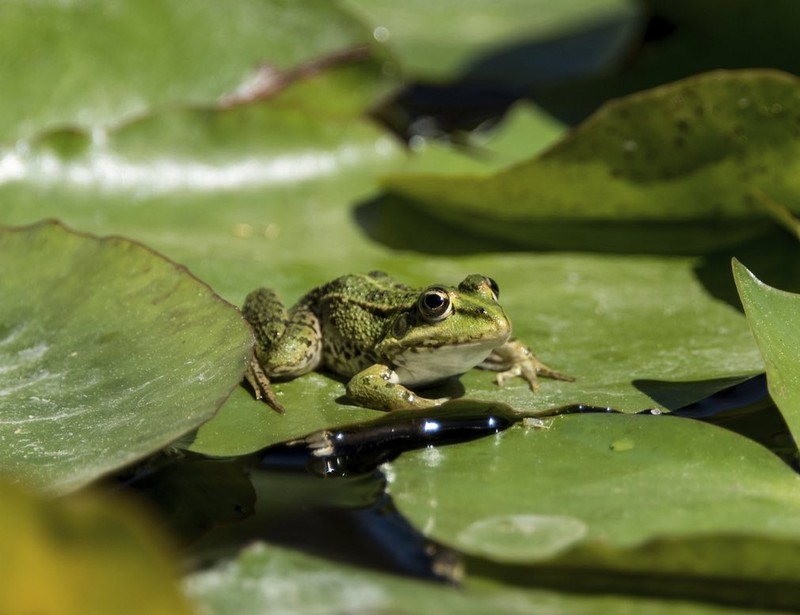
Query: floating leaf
{"points": [[108, 352], [509, 41], [667, 170], [623, 333], [774, 317], [265, 578], [82, 555], [670, 499], [121, 61]]}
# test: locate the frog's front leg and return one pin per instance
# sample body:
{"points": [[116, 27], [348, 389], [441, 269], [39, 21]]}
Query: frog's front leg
{"points": [[514, 359], [288, 343], [378, 387]]}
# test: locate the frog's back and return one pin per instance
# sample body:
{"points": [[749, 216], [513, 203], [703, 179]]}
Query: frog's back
{"points": [[355, 312]]}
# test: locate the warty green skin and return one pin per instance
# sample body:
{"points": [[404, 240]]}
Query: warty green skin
{"points": [[385, 337]]}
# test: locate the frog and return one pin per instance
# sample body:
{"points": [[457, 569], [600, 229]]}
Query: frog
{"points": [[386, 338]]}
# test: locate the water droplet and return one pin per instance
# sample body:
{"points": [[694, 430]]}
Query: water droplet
{"points": [[630, 146], [417, 143], [744, 103], [381, 34], [623, 444]]}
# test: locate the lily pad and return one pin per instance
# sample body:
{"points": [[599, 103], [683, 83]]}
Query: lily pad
{"points": [[267, 578], [669, 170], [97, 80], [509, 41], [268, 194], [626, 323], [774, 317], [83, 555], [108, 352], [654, 496]]}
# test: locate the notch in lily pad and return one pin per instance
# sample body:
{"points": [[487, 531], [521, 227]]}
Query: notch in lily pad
{"points": [[774, 318], [108, 352]]}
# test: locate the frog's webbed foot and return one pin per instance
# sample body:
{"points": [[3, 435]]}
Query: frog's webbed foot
{"points": [[260, 384], [514, 359], [378, 387]]}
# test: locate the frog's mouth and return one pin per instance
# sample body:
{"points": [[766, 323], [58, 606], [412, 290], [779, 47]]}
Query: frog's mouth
{"points": [[426, 364]]}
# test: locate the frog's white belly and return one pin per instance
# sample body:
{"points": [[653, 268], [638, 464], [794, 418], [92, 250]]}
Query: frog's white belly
{"points": [[424, 365]]}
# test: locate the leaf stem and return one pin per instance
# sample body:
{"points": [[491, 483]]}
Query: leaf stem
{"points": [[778, 212]]}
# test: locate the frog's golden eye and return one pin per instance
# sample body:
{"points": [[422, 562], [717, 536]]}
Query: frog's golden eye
{"points": [[435, 304], [494, 287]]}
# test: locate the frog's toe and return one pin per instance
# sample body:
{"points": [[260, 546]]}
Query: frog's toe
{"points": [[519, 371], [260, 384]]}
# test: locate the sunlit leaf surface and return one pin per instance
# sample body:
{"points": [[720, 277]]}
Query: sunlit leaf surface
{"points": [[650, 495], [672, 170], [774, 317], [108, 352], [119, 60]]}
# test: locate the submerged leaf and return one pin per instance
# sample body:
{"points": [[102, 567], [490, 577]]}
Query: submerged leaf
{"points": [[108, 352], [669, 170], [774, 318]]}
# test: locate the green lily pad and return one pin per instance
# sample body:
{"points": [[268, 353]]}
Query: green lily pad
{"points": [[623, 335], [267, 578], [271, 194], [122, 61], [83, 555], [774, 317], [509, 41], [660, 497], [673, 169], [108, 352]]}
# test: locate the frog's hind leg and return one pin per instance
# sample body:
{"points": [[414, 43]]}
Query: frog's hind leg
{"points": [[288, 343]]}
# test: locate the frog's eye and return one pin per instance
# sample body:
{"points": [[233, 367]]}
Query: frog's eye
{"points": [[434, 304], [494, 287]]}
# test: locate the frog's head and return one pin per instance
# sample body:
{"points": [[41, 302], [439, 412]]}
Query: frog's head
{"points": [[448, 331]]}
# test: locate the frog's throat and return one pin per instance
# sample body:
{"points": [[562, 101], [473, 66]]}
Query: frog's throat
{"points": [[426, 364]]}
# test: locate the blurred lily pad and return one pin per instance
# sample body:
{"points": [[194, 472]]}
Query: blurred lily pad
{"points": [[669, 170], [108, 352], [509, 41], [122, 60], [82, 555], [266, 578], [774, 317], [671, 499]]}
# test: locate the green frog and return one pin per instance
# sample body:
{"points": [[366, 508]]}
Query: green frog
{"points": [[386, 338]]}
